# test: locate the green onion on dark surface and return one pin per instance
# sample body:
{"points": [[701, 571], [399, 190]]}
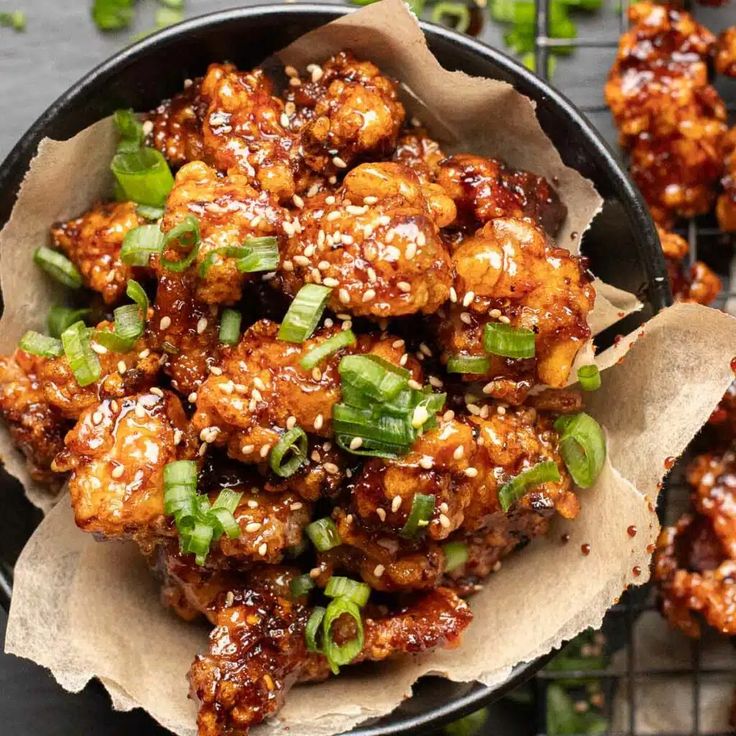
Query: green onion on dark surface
{"points": [[37, 344], [589, 377], [230, 320], [143, 175], [508, 341], [476, 364], [323, 534], [422, 508], [140, 243], [300, 586], [582, 446], [331, 345], [82, 359], [456, 555], [254, 256], [457, 12], [59, 318], [518, 486], [129, 129], [340, 587], [341, 654], [304, 313], [58, 266], [289, 453], [184, 236], [313, 628]]}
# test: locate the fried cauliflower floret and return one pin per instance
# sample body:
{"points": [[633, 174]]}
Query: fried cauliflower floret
{"points": [[511, 273], [346, 112], [116, 454], [376, 242], [249, 405], [93, 241], [36, 428], [419, 152], [176, 125], [485, 188], [726, 52], [726, 204], [243, 131], [229, 211]]}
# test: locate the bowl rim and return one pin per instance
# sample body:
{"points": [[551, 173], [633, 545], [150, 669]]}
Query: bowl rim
{"points": [[14, 166]]}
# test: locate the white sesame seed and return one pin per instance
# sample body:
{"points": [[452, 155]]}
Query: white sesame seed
{"points": [[489, 387], [346, 325], [504, 319], [448, 416], [314, 572], [371, 274], [453, 295], [253, 526], [471, 472], [414, 384], [296, 505], [404, 359], [316, 373], [301, 260], [316, 457], [288, 227], [444, 507], [396, 503], [287, 265], [421, 240], [252, 504], [381, 514], [122, 367], [156, 391], [202, 449], [501, 410], [295, 82], [444, 521], [97, 417], [355, 209], [99, 349], [331, 282], [298, 201], [309, 251], [378, 570], [284, 120], [192, 398], [339, 162], [331, 468], [117, 471], [424, 348], [419, 417], [465, 318], [140, 411], [330, 199], [474, 409], [263, 549], [468, 298], [369, 295], [459, 452], [317, 73], [318, 422], [215, 371], [252, 406], [247, 449], [290, 71], [291, 422], [436, 382], [344, 296], [144, 354], [494, 313], [228, 387], [426, 462], [165, 323], [404, 286], [178, 434], [209, 434], [265, 450], [370, 199], [201, 325], [256, 394], [355, 443]]}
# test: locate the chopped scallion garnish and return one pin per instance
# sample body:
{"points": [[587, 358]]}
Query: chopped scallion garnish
{"points": [[184, 236], [37, 344], [582, 446], [508, 341], [300, 586], [422, 508], [304, 313], [82, 359], [475, 364], [254, 256], [289, 453], [341, 654], [112, 15], [456, 555], [15, 19], [149, 213], [589, 377], [516, 488], [140, 243], [130, 321], [143, 175], [58, 266], [129, 129], [340, 587], [312, 630], [331, 345], [323, 534], [60, 318], [230, 326]]}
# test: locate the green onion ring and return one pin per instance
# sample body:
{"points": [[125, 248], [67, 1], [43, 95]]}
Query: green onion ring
{"points": [[288, 454], [508, 341]]}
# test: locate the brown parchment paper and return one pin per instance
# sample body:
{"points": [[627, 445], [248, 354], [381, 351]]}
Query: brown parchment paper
{"points": [[86, 609]]}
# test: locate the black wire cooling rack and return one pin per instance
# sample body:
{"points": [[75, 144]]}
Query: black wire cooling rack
{"points": [[623, 682]]}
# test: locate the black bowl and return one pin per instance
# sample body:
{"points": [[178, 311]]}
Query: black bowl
{"points": [[622, 244]]}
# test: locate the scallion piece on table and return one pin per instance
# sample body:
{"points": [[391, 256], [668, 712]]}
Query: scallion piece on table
{"points": [[144, 176], [37, 344], [589, 377], [516, 488], [456, 555], [323, 534], [186, 237], [140, 243], [474, 364], [83, 360], [422, 508], [373, 376], [289, 453], [341, 587], [341, 654], [15, 19], [304, 313], [458, 12], [254, 256], [508, 341], [331, 345], [58, 266], [300, 586], [230, 320], [112, 15], [582, 446], [312, 629], [59, 318]]}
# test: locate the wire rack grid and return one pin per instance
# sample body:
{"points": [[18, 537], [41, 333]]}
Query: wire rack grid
{"points": [[629, 674]]}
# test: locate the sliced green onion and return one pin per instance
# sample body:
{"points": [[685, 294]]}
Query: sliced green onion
{"points": [[180, 487], [129, 129], [300, 586], [338, 655], [476, 364], [255, 255], [304, 313], [457, 11], [143, 175], [582, 446], [149, 213], [82, 359], [62, 317], [230, 326], [37, 344], [323, 534], [289, 453], [197, 541], [456, 555], [517, 487], [184, 236], [140, 243], [130, 321], [373, 376], [222, 510], [339, 587], [58, 266], [422, 508], [589, 377], [377, 431], [507, 341], [331, 345], [312, 629], [15, 19]]}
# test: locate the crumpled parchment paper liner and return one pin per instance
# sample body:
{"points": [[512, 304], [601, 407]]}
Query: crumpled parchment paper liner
{"points": [[86, 609]]}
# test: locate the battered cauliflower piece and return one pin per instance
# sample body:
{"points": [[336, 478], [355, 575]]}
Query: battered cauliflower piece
{"points": [[229, 212], [726, 52], [509, 272], [726, 205], [419, 152], [346, 112], [36, 428], [485, 188], [251, 402], [93, 241], [376, 242]]}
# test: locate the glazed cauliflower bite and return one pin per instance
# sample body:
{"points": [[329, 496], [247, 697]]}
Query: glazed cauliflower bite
{"points": [[346, 111], [229, 211], [485, 188], [726, 52], [726, 204], [93, 241], [419, 152], [376, 242], [262, 390], [509, 272]]}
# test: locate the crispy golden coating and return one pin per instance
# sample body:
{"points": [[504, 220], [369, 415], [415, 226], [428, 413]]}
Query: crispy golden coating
{"points": [[249, 405], [36, 428], [419, 152], [726, 204], [508, 271], [229, 212], [376, 242], [485, 188], [726, 52], [346, 112], [116, 454], [93, 241]]}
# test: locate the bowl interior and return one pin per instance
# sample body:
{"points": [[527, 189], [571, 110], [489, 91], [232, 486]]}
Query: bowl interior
{"points": [[622, 246]]}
